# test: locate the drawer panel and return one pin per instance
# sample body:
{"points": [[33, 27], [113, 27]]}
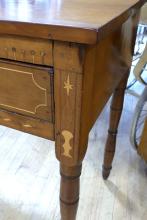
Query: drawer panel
{"points": [[26, 124], [27, 89], [28, 50]]}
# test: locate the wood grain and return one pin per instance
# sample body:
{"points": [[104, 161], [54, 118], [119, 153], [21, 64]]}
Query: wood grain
{"points": [[80, 21], [105, 64], [142, 148], [69, 191], [127, 49], [26, 89], [30, 125], [27, 50], [115, 115], [67, 106]]}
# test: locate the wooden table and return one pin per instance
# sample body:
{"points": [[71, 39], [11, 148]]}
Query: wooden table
{"points": [[60, 61]]}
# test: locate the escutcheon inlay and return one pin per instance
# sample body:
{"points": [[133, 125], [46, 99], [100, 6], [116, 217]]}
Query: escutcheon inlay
{"points": [[67, 147]]}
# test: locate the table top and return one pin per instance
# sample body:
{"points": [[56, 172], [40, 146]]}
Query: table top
{"points": [[83, 15]]}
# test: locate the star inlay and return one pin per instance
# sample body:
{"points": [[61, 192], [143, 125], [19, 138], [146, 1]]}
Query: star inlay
{"points": [[68, 86]]}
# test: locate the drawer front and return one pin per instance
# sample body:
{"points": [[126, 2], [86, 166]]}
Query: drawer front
{"points": [[27, 124], [27, 50], [27, 90]]}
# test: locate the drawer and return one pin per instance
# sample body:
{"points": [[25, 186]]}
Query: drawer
{"points": [[27, 90], [27, 124], [27, 50]]}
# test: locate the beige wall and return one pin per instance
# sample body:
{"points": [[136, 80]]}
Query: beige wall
{"points": [[144, 14]]}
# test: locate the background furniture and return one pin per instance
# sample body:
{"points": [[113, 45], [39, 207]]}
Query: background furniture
{"points": [[142, 149], [139, 125], [60, 63]]}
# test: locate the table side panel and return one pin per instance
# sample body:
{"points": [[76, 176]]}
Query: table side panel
{"points": [[105, 65]]}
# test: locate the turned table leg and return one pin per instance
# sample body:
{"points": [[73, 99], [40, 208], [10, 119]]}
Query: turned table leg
{"points": [[115, 114], [69, 191], [127, 50]]}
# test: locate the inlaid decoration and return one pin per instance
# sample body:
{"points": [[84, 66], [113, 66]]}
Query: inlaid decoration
{"points": [[25, 80], [7, 119], [67, 85], [27, 126], [66, 146]]}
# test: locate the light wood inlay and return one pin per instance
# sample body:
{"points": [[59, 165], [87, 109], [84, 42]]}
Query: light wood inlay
{"points": [[27, 126], [67, 147], [26, 89], [27, 50], [67, 85], [7, 119], [21, 77]]}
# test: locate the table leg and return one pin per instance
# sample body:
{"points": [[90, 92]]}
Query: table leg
{"points": [[127, 50], [69, 191], [68, 93], [115, 114]]}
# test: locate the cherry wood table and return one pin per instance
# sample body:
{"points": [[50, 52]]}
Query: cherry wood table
{"points": [[60, 61]]}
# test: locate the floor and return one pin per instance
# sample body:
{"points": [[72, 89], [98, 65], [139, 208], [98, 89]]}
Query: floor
{"points": [[29, 175]]}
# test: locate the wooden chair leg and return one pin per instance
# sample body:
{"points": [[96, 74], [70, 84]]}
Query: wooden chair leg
{"points": [[115, 114], [69, 191]]}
